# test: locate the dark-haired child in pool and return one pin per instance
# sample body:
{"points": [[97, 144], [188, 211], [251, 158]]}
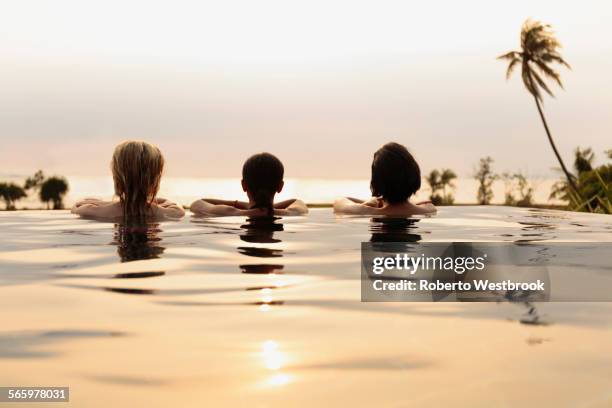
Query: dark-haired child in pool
{"points": [[395, 177], [262, 178]]}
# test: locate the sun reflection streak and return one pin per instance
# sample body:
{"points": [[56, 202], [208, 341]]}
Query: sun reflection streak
{"points": [[269, 345], [266, 300], [279, 380], [274, 360]]}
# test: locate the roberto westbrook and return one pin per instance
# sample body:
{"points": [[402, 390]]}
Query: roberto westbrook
{"points": [[478, 285]]}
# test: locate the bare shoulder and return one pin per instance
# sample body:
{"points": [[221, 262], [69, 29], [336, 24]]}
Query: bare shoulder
{"points": [[426, 208], [408, 209]]}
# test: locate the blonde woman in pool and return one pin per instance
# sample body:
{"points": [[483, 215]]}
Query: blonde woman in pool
{"points": [[262, 178], [395, 177], [137, 169]]}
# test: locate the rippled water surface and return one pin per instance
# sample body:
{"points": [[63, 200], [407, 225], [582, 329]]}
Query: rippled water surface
{"points": [[229, 311]]}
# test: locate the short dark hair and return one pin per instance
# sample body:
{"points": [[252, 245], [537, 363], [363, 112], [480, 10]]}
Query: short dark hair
{"points": [[395, 174], [263, 174]]}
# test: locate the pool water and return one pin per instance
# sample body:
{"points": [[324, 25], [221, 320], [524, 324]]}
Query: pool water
{"points": [[235, 312]]}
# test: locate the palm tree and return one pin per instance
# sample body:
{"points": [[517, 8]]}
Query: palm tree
{"points": [[593, 183], [583, 163], [539, 48], [435, 184], [446, 180], [53, 189], [583, 160]]}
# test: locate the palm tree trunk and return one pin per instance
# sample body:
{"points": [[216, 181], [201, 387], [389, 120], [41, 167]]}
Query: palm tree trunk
{"points": [[554, 147]]}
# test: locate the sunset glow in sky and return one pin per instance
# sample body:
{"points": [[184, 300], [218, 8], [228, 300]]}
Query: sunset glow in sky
{"points": [[321, 84]]}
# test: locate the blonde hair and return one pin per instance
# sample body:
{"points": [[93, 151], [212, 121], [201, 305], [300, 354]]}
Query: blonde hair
{"points": [[137, 168]]}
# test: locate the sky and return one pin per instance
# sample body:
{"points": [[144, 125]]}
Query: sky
{"points": [[321, 84]]}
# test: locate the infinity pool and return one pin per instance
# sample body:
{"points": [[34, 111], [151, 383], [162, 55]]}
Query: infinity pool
{"points": [[229, 311]]}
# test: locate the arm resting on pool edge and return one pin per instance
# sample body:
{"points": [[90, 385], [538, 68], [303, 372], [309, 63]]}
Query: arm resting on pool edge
{"points": [[93, 207], [353, 206], [215, 207], [206, 207], [241, 205], [167, 208], [91, 200], [291, 207]]}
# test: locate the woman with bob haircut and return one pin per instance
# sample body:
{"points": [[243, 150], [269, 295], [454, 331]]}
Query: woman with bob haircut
{"points": [[262, 178], [395, 178], [137, 169]]}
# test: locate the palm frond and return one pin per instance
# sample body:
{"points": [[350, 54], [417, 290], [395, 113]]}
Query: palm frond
{"points": [[554, 56], [511, 67], [528, 81], [540, 82], [549, 72], [510, 56], [539, 48]]}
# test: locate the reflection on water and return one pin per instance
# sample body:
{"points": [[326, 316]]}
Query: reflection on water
{"points": [[129, 381], [540, 230], [274, 359], [261, 230], [394, 235], [131, 291], [261, 269], [399, 235], [138, 275], [394, 230], [264, 289], [260, 252], [36, 344], [532, 317], [534, 341], [208, 292], [137, 242], [279, 380]]}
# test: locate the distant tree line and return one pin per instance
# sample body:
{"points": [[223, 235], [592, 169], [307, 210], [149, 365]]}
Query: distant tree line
{"points": [[50, 190], [518, 190], [593, 184]]}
